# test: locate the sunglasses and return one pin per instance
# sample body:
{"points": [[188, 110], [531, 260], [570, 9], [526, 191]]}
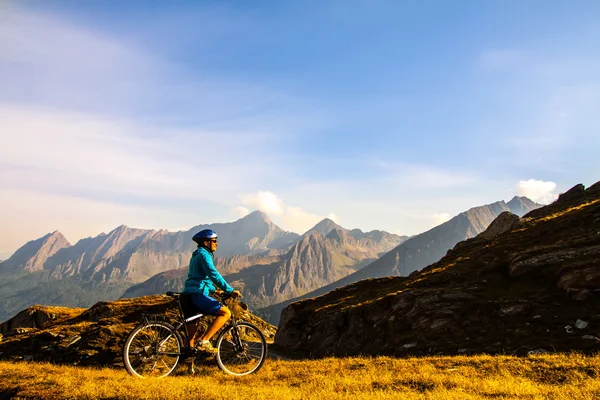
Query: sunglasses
{"points": [[213, 240]]}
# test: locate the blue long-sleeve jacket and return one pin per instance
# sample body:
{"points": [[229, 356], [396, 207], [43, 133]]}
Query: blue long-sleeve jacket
{"points": [[203, 276]]}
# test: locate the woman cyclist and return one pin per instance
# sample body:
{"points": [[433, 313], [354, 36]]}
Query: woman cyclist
{"points": [[202, 281]]}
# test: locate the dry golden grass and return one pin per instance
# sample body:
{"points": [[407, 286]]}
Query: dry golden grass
{"points": [[461, 377]]}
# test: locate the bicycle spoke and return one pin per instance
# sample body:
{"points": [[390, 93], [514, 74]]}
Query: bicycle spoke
{"points": [[152, 350], [244, 350]]}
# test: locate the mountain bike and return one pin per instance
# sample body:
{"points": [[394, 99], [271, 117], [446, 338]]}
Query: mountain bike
{"points": [[155, 347]]}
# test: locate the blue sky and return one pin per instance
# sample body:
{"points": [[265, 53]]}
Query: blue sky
{"points": [[379, 114]]}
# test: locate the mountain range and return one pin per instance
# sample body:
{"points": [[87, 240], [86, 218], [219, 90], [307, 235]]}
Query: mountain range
{"points": [[323, 255], [269, 265], [50, 270], [420, 250]]}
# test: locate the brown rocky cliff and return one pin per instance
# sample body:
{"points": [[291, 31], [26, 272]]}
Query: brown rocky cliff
{"points": [[524, 285], [39, 316]]}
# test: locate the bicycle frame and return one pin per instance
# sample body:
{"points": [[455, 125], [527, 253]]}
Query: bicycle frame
{"points": [[241, 347], [182, 321]]}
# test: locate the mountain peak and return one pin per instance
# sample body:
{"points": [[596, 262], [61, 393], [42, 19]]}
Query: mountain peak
{"points": [[119, 229], [257, 216], [521, 199], [521, 205], [324, 227], [54, 236], [32, 256]]}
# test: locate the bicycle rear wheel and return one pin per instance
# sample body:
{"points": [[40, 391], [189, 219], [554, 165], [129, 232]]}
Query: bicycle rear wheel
{"points": [[241, 349], [152, 350]]}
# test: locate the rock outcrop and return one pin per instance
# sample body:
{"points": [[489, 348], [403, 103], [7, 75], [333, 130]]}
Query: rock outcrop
{"points": [[39, 316], [519, 287]]}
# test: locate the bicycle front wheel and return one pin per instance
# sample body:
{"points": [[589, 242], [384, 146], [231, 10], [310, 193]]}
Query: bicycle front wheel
{"points": [[241, 349], [152, 350]]}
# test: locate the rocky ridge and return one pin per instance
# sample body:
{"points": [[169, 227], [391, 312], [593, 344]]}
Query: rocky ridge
{"points": [[524, 286]]}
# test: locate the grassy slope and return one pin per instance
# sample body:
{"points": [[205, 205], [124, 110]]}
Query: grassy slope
{"points": [[459, 377]]}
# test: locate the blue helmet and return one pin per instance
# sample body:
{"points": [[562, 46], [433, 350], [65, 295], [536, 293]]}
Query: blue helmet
{"points": [[204, 235]]}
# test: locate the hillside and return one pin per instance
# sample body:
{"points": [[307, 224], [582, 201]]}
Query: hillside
{"points": [[418, 251], [525, 284], [93, 336]]}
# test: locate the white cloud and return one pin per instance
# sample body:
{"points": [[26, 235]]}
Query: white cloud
{"points": [[265, 201], [440, 218], [538, 191], [290, 218], [240, 212], [298, 220], [333, 217]]}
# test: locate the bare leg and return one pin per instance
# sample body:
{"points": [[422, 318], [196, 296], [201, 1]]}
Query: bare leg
{"points": [[222, 316], [192, 328]]}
